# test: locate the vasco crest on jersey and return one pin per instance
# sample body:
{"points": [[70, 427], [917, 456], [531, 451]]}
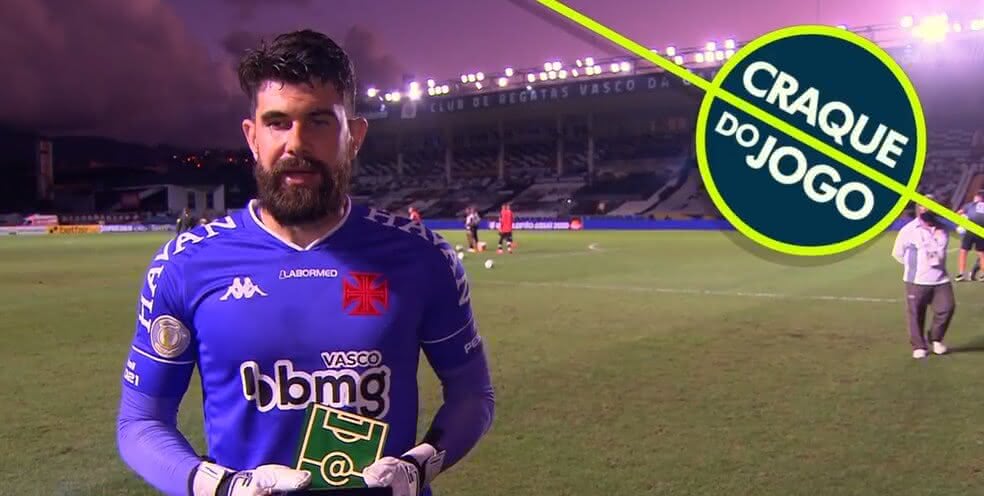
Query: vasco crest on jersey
{"points": [[365, 294]]}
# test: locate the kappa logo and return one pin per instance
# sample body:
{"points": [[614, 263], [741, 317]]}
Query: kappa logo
{"points": [[242, 288], [369, 294]]}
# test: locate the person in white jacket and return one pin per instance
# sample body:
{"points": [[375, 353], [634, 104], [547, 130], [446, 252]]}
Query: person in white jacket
{"points": [[921, 247]]}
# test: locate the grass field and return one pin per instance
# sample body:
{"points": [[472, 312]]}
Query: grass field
{"points": [[670, 363]]}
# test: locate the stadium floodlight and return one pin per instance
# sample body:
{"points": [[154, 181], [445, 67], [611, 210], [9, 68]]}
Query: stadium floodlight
{"points": [[906, 22], [562, 74], [671, 51], [509, 72], [543, 76], [699, 57], [709, 56], [599, 69], [431, 92], [529, 88], [625, 66], [388, 97], [932, 29], [615, 67], [719, 55], [547, 66], [531, 77], [464, 78], [729, 44], [480, 76], [414, 95], [710, 46], [557, 66], [729, 53], [575, 73], [579, 63], [977, 25], [372, 92], [414, 85], [397, 96], [503, 82], [446, 89], [589, 61], [842, 26], [471, 78], [430, 83], [552, 74], [478, 86], [678, 59]]}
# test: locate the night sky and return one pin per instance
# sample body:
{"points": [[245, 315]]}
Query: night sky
{"points": [[162, 70]]}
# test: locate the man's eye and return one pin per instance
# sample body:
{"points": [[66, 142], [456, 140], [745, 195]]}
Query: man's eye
{"points": [[323, 122], [280, 124]]}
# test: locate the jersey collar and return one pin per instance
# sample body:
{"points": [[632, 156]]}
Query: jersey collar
{"points": [[253, 214]]}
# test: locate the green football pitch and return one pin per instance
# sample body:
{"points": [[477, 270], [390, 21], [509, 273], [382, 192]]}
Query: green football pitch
{"points": [[665, 363]]}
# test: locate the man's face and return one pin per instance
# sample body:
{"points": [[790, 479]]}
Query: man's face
{"points": [[304, 142]]}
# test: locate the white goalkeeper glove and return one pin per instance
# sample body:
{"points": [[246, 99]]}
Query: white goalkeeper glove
{"points": [[407, 475], [215, 480]]}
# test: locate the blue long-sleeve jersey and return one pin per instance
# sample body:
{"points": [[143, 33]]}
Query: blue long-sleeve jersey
{"points": [[273, 326]]}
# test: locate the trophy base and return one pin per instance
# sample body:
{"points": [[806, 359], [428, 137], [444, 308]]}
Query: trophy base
{"points": [[351, 491]]}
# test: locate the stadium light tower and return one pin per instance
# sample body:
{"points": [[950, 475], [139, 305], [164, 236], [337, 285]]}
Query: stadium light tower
{"points": [[372, 92], [671, 51], [729, 44], [531, 78], [699, 57], [589, 61], [430, 83], [710, 46], [625, 66], [678, 59], [464, 79], [503, 82], [480, 76], [509, 72]]}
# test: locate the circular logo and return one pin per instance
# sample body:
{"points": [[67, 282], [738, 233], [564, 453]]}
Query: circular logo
{"points": [[811, 140], [169, 337]]}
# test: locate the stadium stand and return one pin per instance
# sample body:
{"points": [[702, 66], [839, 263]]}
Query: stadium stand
{"points": [[615, 144]]}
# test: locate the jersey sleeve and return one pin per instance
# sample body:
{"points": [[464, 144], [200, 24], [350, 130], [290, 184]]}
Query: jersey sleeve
{"points": [[449, 335], [163, 350]]}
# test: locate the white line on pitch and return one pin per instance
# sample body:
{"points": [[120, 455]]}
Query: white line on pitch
{"points": [[693, 291]]}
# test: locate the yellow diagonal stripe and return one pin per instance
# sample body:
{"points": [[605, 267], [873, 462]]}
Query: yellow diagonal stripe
{"points": [[907, 192]]}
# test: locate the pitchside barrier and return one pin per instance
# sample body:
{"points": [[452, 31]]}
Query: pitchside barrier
{"points": [[607, 223], [520, 224]]}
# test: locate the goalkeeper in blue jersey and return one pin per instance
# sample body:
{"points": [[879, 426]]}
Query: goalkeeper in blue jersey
{"points": [[300, 298]]}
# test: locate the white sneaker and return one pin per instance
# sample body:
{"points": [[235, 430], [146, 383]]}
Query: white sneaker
{"points": [[920, 353], [939, 348]]}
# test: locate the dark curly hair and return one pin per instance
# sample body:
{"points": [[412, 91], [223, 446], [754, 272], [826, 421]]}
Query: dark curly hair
{"points": [[298, 57]]}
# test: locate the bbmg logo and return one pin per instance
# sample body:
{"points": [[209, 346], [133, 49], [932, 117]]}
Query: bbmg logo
{"points": [[242, 288]]}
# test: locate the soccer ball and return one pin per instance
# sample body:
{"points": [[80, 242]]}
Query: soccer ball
{"points": [[457, 247], [461, 255], [489, 263]]}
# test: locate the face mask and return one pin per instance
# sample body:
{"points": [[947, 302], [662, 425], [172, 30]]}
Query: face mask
{"points": [[928, 217]]}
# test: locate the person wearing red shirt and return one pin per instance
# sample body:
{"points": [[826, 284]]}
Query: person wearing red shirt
{"points": [[505, 228]]}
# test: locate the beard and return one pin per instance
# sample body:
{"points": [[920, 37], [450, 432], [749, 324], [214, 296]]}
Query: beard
{"points": [[294, 204]]}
